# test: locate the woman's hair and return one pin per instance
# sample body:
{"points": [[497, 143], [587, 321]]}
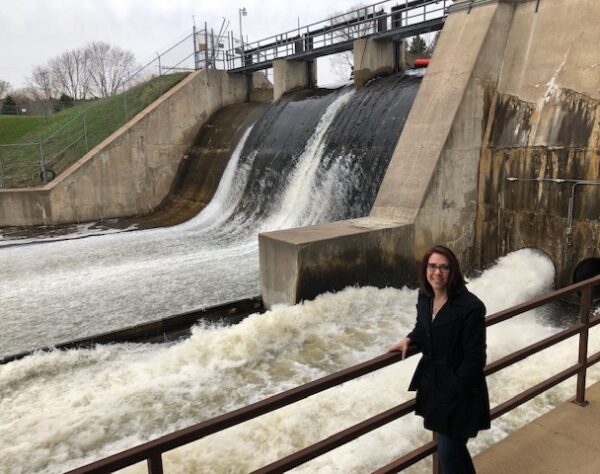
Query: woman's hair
{"points": [[456, 280]]}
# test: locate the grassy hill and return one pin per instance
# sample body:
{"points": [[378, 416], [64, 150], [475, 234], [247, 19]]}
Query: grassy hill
{"points": [[67, 135]]}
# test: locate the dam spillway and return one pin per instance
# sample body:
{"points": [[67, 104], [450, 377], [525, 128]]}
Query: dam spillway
{"points": [[304, 161]]}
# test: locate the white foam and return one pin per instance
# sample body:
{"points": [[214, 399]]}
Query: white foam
{"points": [[63, 409]]}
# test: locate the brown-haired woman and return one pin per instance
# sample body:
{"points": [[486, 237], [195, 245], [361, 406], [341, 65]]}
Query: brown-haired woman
{"points": [[452, 394]]}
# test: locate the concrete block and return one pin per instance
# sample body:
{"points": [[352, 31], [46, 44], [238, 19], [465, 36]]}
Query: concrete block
{"points": [[371, 59], [299, 264], [290, 75]]}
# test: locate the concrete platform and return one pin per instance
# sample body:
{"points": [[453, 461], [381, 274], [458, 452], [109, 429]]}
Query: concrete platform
{"points": [[565, 440]]}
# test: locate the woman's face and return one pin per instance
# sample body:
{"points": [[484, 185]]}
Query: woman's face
{"points": [[438, 271]]}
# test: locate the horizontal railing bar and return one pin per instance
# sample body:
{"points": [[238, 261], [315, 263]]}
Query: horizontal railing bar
{"points": [[235, 417], [280, 41], [338, 439], [330, 21], [507, 406], [20, 144], [532, 349], [541, 300], [405, 22], [594, 359], [70, 145], [408, 459], [207, 427], [534, 391]]}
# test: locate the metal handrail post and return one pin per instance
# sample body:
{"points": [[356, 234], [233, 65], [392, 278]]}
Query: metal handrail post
{"points": [[87, 147], [155, 464], [436, 468], [196, 59], [42, 161], [1, 173], [585, 310], [125, 104], [205, 45]]}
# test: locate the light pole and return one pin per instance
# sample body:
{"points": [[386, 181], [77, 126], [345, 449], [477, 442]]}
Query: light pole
{"points": [[242, 12]]}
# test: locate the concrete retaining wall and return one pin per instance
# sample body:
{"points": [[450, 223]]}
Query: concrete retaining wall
{"points": [[131, 171]]}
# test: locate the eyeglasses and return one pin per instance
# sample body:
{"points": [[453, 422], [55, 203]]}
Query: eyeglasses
{"points": [[432, 267]]}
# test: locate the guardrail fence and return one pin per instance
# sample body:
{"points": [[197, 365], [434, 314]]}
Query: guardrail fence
{"points": [[388, 18], [152, 451]]}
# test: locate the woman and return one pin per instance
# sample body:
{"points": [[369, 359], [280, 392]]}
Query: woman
{"points": [[452, 394]]}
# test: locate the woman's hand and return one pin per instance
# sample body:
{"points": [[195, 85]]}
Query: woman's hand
{"points": [[400, 346]]}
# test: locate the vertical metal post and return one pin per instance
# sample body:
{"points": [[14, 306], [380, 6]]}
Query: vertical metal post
{"points": [[196, 52], [196, 58], [1, 173], [435, 465], [212, 49], [42, 161], [155, 465], [125, 104], [585, 309], [87, 148], [205, 45]]}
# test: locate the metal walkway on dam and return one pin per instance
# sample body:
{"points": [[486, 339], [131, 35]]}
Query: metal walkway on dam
{"points": [[337, 34]]}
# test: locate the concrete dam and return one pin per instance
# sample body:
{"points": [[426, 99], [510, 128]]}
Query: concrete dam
{"points": [[493, 153]]}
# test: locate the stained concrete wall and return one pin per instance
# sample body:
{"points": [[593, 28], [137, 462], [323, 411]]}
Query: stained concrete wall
{"points": [[371, 59], [131, 171], [543, 123], [291, 75]]}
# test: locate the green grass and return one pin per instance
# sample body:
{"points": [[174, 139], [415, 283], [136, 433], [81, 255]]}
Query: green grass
{"points": [[67, 135]]}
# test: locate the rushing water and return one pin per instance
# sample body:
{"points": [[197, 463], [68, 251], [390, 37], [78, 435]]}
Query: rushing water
{"points": [[62, 409], [298, 165]]}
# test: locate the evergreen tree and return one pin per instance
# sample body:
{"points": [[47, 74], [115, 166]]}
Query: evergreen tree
{"points": [[64, 102], [418, 47], [9, 106]]}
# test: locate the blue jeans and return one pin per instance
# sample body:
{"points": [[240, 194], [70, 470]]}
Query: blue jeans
{"points": [[454, 455]]}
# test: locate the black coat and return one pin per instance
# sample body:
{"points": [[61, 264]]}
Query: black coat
{"points": [[452, 394]]}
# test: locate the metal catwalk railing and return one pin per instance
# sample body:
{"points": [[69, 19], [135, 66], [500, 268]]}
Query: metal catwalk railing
{"points": [[392, 19], [152, 451]]}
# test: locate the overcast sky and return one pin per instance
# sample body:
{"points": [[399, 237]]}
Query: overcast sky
{"points": [[33, 31]]}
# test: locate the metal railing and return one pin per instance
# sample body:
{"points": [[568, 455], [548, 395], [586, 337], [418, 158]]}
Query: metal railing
{"points": [[39, 160], [152, 451], [336, 34]]}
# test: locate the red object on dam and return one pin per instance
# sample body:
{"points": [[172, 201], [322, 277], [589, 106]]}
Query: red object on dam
{"points": [[421, 62]]}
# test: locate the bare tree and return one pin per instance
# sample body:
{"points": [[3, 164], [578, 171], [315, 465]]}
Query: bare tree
{"points": [[69, 73], [40, 87], [349, 25], [109, 67], [4, 88]]}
